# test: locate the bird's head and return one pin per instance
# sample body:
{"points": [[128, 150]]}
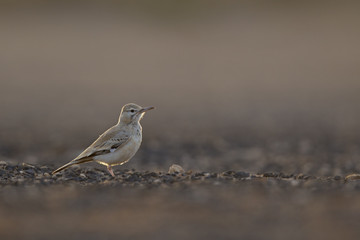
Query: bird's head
{"points": [[132, 112]]}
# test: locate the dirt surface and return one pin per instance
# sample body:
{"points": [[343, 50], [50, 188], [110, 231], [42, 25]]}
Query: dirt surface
{"points": [[87, 203]]}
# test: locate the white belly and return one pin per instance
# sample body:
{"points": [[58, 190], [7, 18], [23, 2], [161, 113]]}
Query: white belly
{"points": [[122, 154]]}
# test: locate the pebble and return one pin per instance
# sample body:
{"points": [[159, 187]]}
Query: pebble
{"points": [[175, 169], [157, 181], [352, 177], [338, 178], [241, 175], [274, 175]]}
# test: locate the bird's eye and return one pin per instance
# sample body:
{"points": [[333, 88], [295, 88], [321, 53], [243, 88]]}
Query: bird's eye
{"points": [[132, 110]]}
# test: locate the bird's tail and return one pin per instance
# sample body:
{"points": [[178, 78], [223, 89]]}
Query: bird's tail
{"points": [[73, 162]]}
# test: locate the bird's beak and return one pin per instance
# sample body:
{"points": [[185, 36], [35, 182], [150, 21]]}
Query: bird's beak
{"points": [[145, 109]]}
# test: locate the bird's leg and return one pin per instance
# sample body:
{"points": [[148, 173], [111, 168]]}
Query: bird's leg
{"points": [[110, 170]]}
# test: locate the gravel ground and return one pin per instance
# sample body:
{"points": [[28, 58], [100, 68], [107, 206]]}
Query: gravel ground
{"points": [[87, 203], [26, 174]]}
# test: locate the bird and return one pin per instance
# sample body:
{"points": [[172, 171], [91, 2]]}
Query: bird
{"points": [[118, 144]]}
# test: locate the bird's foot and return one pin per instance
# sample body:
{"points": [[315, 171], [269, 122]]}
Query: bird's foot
{"points": [[110, 171]]}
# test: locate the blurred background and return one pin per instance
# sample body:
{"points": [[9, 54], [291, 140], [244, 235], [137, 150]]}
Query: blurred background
{"points": [[256, 86], [243, 85]]}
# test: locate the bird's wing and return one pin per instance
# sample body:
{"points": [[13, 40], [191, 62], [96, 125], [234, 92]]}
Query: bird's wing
{"points": [[106, 143]]}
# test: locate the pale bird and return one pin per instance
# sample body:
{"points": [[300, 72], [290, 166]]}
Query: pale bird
{"points": [[118, 144]]}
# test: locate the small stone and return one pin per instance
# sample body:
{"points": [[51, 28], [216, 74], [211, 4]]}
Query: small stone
{"points": [[82, 175], [352, 177], [30, 171], [27, 165], [56, 175], [201, 174], [300, 176], [270, 175], [228, 173], [175, 169], [241, 175], [195, 177], [3, 163], [214, 175], [157, 181], [46, 174], [337, 178]]}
